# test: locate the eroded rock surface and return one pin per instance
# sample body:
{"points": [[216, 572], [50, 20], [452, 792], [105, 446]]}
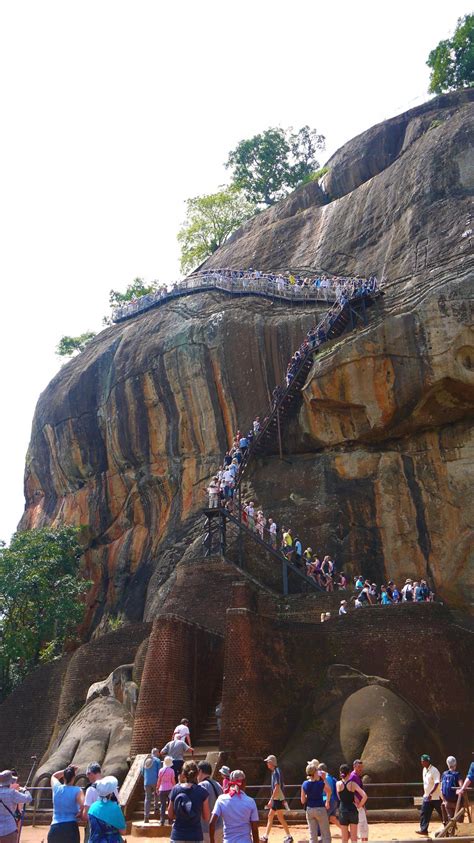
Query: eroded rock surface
{"points": [[378, 463]]}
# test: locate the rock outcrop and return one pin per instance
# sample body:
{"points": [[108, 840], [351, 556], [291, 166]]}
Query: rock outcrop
{"points": [[127, 434]]}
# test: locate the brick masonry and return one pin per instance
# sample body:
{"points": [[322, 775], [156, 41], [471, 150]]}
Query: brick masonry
{"points": [[182, 677]]}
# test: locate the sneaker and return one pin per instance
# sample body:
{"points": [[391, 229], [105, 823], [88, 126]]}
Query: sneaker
{"points": [[146, 820], [264, 839], [288, 839]]}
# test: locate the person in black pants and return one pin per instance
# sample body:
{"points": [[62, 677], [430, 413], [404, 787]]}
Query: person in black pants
{"points": [[431, 794]]}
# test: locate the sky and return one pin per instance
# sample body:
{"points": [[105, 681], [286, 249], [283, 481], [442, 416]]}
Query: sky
{"points": [[114, 113]]}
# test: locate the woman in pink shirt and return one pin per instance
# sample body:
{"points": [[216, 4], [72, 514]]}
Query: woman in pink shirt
{"points": [[164, 786]]}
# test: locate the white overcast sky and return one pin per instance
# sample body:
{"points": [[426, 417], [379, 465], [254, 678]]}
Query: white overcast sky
{"points": [[113, 113]]}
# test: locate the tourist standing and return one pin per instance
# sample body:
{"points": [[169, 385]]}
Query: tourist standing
{"points": [[312, 798], [10, 796], [238, 811], [356, 776], [188, 803], [94, 774], [431, 794], [213, 790], [333, 800], [68, 800], [106, 819], [276, 803], [164, 785], [347, 789], [150, 769], [451, 781]]}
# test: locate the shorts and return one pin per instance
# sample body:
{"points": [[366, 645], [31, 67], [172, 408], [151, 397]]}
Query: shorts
{"points": [[348, 816], [278, 805]]}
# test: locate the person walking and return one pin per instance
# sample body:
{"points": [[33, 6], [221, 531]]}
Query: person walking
{"points": [[150, 769], [238, 811], [312, 799], [213, 790], [356, 776], [181, 732], [176, 749], [164, 785], [188, 804], [11, 795], [106, 819], [276, 803], [347, 789], [68, 800], [431, 794], [225, 773]]}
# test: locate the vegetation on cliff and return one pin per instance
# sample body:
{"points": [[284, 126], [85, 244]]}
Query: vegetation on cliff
{"points": [[452, 61], [40, 595]]}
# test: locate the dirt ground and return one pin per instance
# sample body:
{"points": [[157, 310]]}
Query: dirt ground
{"points": [[378, 831]]}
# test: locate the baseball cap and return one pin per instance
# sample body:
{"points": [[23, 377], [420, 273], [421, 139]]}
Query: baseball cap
{"points": [[425, 757], [7, 777], [271, 759]]}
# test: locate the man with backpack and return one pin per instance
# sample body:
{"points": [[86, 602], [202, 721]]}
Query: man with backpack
{"points": [[213, 790], [450, 782]]}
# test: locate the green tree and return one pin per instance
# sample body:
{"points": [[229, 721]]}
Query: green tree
{"points": [[209, 222], [452, 61], [270, 164], [41, 598], [134, 290], [67, 346]]}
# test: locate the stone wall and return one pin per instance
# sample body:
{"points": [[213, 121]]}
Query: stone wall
{"points": [[182, 677]]}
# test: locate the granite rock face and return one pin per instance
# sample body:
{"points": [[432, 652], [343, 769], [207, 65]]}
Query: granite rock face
{"points": [[377, 465]]}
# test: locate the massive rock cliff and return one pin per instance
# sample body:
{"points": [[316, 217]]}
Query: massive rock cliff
{"points": [[377, 463]]}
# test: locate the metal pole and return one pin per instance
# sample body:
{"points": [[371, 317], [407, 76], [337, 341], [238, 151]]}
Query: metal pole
{"points": [[241, 549], [279, 433], [285, 577]]}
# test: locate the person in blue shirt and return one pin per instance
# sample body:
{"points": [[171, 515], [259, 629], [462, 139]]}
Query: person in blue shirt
{"points": [[150, 769], [188, 803], [68, 800], [315, 792], [333, 799], [277, 803], [468, 781]]}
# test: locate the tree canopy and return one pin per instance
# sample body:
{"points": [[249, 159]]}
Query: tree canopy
{"points": [[41, 602], [452, 61], [68, 346], [209, 221], [137, 288], [269, 165]]}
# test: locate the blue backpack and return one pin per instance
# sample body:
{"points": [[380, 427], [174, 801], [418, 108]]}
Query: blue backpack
{"points": [[184, 808], [449, 783]]}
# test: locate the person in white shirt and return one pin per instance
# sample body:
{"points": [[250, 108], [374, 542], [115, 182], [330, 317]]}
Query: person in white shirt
{"points": [[238, 811], [431, 794], [182, 733]]}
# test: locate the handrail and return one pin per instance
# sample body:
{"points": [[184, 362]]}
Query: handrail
{"points": [[286, 564], [258, 284]]}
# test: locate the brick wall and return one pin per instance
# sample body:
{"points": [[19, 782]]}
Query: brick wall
{"points": [[195, 581], [272, 668], [28, 716], [182, 677], [94, 661]]}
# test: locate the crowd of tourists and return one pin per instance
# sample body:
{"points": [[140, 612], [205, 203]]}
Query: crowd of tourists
{"points": [[200, 807], [338, 287]]}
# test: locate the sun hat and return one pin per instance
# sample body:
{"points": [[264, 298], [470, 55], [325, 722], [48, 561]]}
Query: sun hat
{"points": [[148, 762], [271, 759], [7, 777], [168, 761], [225, 771], [106, 786]]}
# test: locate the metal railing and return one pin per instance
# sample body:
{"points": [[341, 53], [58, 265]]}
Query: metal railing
{"points": [[266, 285]]}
